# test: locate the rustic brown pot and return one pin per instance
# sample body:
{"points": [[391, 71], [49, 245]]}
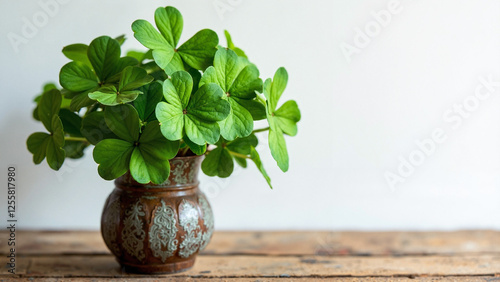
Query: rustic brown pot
{"points": [[158, 228]]}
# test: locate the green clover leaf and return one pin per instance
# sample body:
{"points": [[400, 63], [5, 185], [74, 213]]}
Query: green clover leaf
{"points": [[37, 145], [150, 159], [49, 105], [95, 129], [146, 103], [78, 53], [195, 148], [72, 123], [195, 115], [55, 151], [141, 56], [231, 46], [113, 157], [283, 120], [220, 161], [121, 39], [43, 145], [78, 78], [102, 66], [198, 52], [256, 159], [239, 80], [47, 87], [124, 122], [146, 155], [104, 54], [131, 79], [74, 149]]}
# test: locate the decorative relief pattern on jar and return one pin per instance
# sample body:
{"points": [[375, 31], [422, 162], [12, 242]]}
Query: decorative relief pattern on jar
{"points": [[208, 221], [133, 233], [163, 232], [188, 219], [179, 172], [153, 228], [109, 232], [193, 172]]}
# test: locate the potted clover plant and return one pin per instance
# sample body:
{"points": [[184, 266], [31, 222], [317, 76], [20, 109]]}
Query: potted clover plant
{"points": [[154, 118]]}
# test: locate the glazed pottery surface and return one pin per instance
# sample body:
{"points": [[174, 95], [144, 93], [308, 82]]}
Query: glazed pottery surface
{"points": [[158, 228]]}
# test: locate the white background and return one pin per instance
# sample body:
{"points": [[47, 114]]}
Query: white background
{"points": [[359, 117]]}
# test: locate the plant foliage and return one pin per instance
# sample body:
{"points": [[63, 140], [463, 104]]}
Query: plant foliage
{"points": [[145, 108]]}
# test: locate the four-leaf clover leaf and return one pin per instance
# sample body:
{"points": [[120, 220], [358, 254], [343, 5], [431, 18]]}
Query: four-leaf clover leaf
{"points": [[194, 115], [283, 120], [198, 52], [145, 154], [239, 81]]}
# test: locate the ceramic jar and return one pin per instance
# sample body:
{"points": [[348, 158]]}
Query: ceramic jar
{"points": [[158, 228]]}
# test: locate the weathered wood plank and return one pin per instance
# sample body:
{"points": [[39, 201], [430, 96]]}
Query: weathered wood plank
{"points": [[308, 279], [355, 243], [104, 266], [57, 242], [283, 243]]}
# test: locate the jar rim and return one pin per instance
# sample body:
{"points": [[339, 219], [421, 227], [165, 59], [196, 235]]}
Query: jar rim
{"points": [[187, 170]]}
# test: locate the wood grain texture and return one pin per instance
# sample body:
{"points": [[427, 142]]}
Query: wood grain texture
{"points": [[308, 279], [272, 256], [270, 266], [283, 243]]}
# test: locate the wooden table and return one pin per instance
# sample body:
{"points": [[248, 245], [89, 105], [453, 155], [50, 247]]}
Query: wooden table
{"points": [[271, 256]]}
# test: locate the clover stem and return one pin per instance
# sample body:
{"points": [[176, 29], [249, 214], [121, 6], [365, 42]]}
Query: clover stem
{"points": [[261, 99], [152, 70], [239, 155], [261, 130], [184, 151], [80, 139]]}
